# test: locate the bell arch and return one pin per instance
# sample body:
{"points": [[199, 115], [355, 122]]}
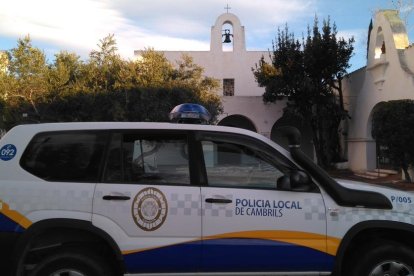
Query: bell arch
{"points": [[380, 47], [238, 37], [227, 36], [388, 36]]}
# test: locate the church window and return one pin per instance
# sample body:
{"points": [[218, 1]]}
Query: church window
{"points": [[228, 87]]}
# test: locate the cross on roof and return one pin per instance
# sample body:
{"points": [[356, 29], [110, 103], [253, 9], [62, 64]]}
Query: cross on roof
{"points": [[227, 8]]}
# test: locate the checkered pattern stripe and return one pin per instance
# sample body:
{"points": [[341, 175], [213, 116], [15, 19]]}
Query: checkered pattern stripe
{"points": [[184, 205], [115, 207], [314, 209], [356, 215], [27, 199], [404, 208], [189, 205]]}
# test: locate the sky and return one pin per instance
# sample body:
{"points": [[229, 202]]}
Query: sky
{"points": [[78, 25]]}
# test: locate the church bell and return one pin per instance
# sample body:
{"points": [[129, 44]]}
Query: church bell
{"points": [[227, 35]]}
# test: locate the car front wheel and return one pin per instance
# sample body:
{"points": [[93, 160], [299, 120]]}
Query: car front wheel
{"points": [[71, 263], [385, 259]]}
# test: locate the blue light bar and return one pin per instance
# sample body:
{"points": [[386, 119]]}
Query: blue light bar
{"points": [[188, 113]]}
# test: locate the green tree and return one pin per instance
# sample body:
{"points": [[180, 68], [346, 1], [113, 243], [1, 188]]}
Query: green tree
{"points": [[190, 76], [308, 74], [2, 115], [29, 69], [153, 69], [7, 81], [102, 72], [65, 72], [392, 124], [159, 86], [103, 88]]}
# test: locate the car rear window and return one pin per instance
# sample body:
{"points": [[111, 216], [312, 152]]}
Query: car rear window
{"points": [[70, 156]]}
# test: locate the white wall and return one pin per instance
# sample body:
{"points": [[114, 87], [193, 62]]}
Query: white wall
{"points": [[386, 77], [237, 64]]}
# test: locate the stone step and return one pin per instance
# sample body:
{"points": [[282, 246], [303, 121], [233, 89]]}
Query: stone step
{"points": [[387, 171], [376, 173], [363, 175]]}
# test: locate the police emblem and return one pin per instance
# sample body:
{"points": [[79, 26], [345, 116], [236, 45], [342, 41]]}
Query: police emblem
{"points": [[149, 209]]}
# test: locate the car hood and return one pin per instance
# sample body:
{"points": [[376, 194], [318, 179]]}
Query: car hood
{"points": [[402, 201]]}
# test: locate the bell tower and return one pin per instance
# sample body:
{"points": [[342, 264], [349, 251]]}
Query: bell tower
{"points": [[229, 30]]}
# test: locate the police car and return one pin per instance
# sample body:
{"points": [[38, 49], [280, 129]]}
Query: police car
{"points": [[102, 199]]}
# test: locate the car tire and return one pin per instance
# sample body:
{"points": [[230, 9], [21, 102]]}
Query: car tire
{"points": [[386, 258], [72, 262]]}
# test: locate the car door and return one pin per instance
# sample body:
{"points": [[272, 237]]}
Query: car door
{"points": [[250, 225], [148, 203]]}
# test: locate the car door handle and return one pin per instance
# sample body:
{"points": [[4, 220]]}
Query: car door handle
{"points": [[116, 197], [219, 200]]}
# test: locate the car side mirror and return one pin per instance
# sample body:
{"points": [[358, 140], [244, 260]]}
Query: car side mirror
{"points": [[296, 181]]}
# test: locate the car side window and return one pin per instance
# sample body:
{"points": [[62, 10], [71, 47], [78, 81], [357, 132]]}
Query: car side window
{"points": [[236, 165], [148, 159], [67, 156]]}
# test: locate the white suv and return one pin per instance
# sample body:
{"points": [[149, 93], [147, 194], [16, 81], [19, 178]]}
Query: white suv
{"points": [[102, 199]]}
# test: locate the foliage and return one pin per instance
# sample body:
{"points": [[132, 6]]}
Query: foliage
{"points": [[65, 73], [2, 107], [153, 69], [101, 73], [308, 74], [392, 126], [103, 88], [29, 70]]}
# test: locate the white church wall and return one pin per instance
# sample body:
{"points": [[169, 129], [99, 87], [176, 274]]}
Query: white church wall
{"points": [[226, 65], [409, 55], [237, 64], [387, 77], [263, 116], [351, 86]]}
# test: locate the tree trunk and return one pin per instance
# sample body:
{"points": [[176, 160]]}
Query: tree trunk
{"points": [[318, 144], [407, 176]]}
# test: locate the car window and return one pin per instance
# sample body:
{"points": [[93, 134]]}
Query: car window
{"points": [[236, 165], [65, 156], [134, 158]]}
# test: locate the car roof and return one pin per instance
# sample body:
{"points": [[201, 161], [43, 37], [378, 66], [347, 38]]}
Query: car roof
{"points": [[127, 125], [26, 132], [33, 129]]}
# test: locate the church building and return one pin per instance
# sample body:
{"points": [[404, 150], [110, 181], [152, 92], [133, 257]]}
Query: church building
{"points": [[387, 76], [230, 63]]}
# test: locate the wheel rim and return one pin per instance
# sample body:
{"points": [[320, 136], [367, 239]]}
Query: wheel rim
{"points": [[67, 272], [392, 268]]}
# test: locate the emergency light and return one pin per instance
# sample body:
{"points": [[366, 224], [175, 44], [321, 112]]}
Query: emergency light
{"points": [[189, 113]]}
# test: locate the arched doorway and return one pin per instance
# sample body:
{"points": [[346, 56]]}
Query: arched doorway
{"points": [[305, 130], [239, 121], [377, 156]]}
